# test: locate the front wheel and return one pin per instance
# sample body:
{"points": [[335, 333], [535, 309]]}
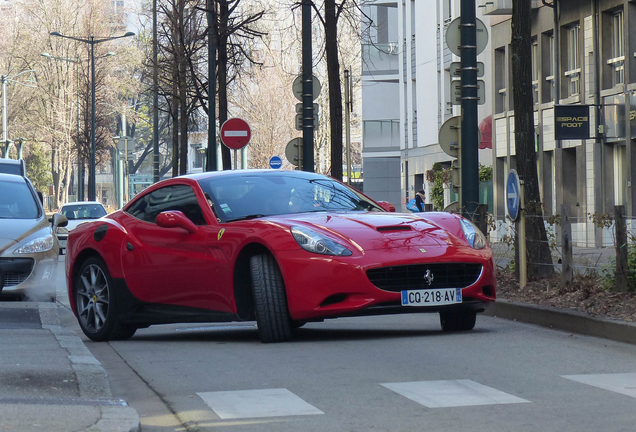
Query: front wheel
{"points": [[457, 320], [95, 303], [270, 300]]}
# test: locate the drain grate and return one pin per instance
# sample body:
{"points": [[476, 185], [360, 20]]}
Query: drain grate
{"points": [[62, 401]]}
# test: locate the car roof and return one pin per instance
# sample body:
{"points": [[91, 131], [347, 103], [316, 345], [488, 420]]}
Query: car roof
{"points": [[74, 203], [13, 162], [12, 178]]}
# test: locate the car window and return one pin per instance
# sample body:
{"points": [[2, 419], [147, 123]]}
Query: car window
{"points": [[175, 197], [83, 211], [266, 195], [17, 201]]}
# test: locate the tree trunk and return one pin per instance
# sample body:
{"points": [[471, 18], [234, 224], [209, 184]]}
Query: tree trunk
{"points": [[335, 91], [222, 75], [183, 91], [538, 249]]}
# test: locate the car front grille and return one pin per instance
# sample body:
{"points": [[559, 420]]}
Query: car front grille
{"points": [[425, 276], [15, 270]]}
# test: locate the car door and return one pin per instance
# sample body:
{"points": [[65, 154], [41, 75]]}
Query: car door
{"points": [[168, 265]]}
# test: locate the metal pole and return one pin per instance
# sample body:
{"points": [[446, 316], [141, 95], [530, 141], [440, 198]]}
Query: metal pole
{"points": [[155, 97], [523, 265], [308, 91], [5, 138], [91, 189], [80, 159], [469, 131], [347, 98]]}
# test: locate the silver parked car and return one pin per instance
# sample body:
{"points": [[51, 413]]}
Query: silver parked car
{"points": [[28, 247], [78, 213]]}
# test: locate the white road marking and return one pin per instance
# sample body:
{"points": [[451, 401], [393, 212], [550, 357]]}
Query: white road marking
{"points": [[257, 403], [452, 393], [623, 383]]}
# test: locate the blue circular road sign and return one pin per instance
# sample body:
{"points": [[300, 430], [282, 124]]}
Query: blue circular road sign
{"points": [[275, 162], [513, 195]]}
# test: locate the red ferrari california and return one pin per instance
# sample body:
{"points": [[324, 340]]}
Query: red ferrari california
{"points": [[282, 248]]}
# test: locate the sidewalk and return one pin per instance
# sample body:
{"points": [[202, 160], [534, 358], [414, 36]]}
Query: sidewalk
{"points": [[49, 380]]}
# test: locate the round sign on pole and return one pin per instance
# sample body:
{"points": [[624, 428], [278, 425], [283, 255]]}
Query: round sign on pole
{"points": [[235, 133], [297, 87], [275, 162], [294, 151], [453, 36], [513, 195]]}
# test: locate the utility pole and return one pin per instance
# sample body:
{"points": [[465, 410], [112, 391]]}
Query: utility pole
{"points": [[308, 92], [211, 156], [155, 97], [469, 130]]}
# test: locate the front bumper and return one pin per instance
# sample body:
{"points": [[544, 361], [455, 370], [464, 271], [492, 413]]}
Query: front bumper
{"points": [[328, 286]]}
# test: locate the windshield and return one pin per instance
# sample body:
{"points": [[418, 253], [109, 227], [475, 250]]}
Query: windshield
{"points": [[256, 195], [17, 201], [83, 211]]}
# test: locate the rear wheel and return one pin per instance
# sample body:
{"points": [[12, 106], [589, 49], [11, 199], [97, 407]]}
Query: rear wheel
{"points": [[457, 320], [270, 300], [95, 303]]}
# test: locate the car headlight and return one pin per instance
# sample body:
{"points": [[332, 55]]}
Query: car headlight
{"points": [[40, 244], [313, 242], [473, 235]]}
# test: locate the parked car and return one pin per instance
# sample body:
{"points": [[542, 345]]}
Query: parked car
{"points": [[12, 166], [78, 213], [28, 246], [282, 248]]}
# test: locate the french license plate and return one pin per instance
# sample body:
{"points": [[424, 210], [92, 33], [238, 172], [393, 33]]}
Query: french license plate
{"points": [[431, 297]]}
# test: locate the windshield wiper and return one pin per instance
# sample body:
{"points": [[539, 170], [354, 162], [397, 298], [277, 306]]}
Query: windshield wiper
{"points": [[252, 216]]}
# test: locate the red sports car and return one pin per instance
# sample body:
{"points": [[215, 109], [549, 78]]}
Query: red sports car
{"points": [[280, 247]]}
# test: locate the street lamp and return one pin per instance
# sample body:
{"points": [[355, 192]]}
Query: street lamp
{"points": [[92, 41]]}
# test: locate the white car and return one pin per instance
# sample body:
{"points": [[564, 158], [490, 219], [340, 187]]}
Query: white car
{"points": [[78, 213]]}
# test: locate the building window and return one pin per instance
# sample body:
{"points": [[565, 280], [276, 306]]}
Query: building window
{"points": [[617, 62], [535, 71], [500, 80], [547, 66], [574, 69]]}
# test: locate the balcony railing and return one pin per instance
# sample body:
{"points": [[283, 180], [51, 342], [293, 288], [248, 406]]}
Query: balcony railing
{"points": [[380, 58]]}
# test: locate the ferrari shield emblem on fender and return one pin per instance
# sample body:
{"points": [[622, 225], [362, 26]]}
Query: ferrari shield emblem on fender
{"points": [[218, 237], [428, 277]]}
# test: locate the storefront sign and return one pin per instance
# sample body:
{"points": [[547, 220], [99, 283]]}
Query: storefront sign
{"points": [[572, 122]]}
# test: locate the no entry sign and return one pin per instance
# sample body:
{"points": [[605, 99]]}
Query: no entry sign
{"points": [[235, 133]]}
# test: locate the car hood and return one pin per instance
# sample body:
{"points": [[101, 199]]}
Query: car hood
{"points": [[13, 231], [73, 223], [377, 230]]}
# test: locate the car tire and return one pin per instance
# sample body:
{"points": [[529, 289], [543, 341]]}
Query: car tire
{"points": [[270, 300], [95, 302], [457, 320]]}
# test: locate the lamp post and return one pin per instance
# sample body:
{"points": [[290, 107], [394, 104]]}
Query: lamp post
{"points": [[92, 41]]}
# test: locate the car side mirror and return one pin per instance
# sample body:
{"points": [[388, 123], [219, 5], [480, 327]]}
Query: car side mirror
{"points": [[59, 220], [175, 219], [387, 206]]}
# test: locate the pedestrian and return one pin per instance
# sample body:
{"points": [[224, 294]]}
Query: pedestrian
{"points": [[420, 199]]}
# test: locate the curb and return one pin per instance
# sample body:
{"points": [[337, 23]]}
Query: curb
{"points": [[571, 321], [116, 415]]}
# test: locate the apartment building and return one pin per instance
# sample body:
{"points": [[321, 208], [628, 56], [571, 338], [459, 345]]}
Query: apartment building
{"points": [[407, 94], [588, 61]]}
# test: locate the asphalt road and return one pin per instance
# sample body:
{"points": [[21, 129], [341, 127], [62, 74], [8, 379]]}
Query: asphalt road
{"points": [[386, 373]]}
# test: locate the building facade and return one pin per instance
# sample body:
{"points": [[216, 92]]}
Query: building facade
{"points": [[588, 61], [407, 94]]}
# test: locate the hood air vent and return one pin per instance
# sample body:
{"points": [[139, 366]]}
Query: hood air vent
{"points": [[394, 228]]}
